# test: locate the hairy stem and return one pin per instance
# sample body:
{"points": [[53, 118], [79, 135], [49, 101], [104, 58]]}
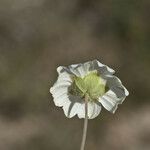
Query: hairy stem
{"points": [[85, 124]]}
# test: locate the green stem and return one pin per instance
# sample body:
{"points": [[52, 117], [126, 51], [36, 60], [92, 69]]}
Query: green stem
{"points": [[85, 124]]}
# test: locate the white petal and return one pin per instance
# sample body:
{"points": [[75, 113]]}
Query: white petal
{"points": [[81, 110], [60, 88], [110, 101], [87, 66], [74, 71], [84, 68], [103, 69], [60, 85], [60, 95], [65, 77], [116, 86], [93, 110], [61, 100], [71, 108], [66, 108], [80, 70], [64, 80], [116, 95], [108, 104], [108, 68], [56, 92]]}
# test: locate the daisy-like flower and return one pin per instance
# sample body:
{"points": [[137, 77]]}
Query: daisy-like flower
{"points": [[91, 81]]}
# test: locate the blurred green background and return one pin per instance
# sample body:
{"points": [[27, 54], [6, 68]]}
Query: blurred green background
{"points": [[36, 36]]}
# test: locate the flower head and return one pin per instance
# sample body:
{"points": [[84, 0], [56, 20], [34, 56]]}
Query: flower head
{"points": [[93, 80]]}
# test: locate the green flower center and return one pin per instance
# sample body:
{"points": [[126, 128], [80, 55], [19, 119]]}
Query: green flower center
{"points": [[91, 85]]}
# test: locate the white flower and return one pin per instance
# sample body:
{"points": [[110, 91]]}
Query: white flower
{"points": [[93, 79]]}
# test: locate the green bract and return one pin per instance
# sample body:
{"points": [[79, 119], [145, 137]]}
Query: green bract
{"points": [[91, 85]]}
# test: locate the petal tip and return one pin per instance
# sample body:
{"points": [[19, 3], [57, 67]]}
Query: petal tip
{"points": [[59, 69], [51, 90], [126, 92]]}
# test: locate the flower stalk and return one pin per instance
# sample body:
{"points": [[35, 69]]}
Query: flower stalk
{"points": [[85, 124]]}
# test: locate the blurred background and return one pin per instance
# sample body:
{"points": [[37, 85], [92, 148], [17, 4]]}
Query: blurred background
{"points": [[36, 36]]}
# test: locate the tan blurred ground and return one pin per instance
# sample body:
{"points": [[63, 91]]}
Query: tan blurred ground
{"points": [[39, 35]]}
